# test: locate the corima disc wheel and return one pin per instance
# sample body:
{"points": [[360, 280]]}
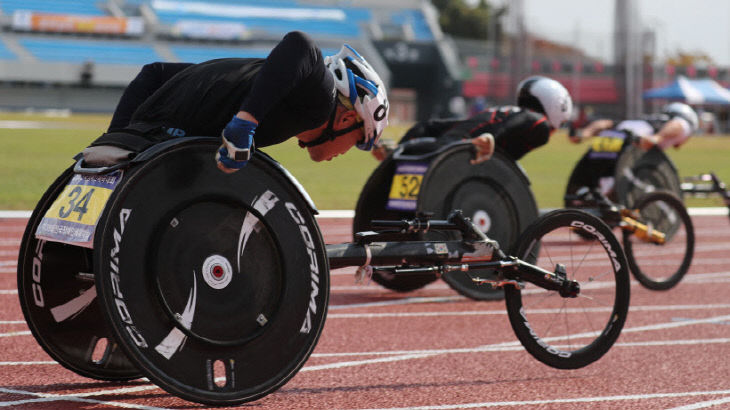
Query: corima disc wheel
{"points": [[59, 302], [207, 269], [216, 285], [371, 205], [495, 195]]}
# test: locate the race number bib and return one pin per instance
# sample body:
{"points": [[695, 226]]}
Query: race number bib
{"points": [[73, 216], [405, 186], [607, 144]]}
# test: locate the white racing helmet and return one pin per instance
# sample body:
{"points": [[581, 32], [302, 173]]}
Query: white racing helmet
{"points": [[546, 96], [357, 80], [684, 111]]}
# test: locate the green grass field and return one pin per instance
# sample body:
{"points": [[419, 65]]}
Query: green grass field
{"points": [[30, 159]]}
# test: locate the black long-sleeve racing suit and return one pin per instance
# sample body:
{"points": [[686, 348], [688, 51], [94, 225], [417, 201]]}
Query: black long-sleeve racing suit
{"points": [[516, 131], [288, 92]]}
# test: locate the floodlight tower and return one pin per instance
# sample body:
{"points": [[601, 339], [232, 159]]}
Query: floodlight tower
{"points": [[628, 51], [519, 47]]}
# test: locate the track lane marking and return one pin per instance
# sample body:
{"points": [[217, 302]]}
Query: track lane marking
{"points": [[81, 397], [596, 399], [504, 347], [515, 344], [502, 312], [11, 334], [703, 404], [35, 363]]}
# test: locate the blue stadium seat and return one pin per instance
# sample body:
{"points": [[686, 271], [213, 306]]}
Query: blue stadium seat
{"points": [[190, 54], [198, 54], [5, 53], [102, 52], [172, 11], [88, 7], [416, 20]]}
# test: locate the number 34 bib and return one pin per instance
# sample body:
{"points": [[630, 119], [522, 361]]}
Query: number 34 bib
{"points": [[74, 214]]}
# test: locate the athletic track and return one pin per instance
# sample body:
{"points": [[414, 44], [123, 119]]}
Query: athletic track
{"points": [[432, 349]]}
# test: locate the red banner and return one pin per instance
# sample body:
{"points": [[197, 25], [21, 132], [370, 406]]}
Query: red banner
{"points": [[67, 23]]}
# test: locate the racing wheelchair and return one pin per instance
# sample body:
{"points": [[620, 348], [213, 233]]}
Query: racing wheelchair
{"points": [[424, 176], [657, 231], [216, 286], [705, 185]]}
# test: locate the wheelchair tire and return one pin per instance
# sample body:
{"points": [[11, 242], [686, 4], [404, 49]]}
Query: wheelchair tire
{"points": [[60, 305], [563, 332], [661, 266], [494, 194], [651, 171], [371, 205], [215, 285]]}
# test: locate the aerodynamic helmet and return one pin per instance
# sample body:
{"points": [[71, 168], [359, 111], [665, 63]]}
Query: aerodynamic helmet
{"points": [[682, 110], [546, 96], [356, 80]]}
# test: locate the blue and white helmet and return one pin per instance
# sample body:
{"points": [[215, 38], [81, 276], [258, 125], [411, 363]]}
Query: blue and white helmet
{"points": [[357, 80]]}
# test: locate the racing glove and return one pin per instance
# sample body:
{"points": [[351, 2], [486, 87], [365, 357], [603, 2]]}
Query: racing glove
{"points": [[237, 146]]}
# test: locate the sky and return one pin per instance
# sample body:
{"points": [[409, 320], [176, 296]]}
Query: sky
{"points": [[688, 25]]}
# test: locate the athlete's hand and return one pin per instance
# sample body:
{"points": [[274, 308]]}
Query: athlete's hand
{"points": [[237, 146], [383, 148], [647, 142], [484, 145]]}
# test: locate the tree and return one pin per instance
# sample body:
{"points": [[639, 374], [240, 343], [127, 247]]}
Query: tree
{"points": [[459, 19]]}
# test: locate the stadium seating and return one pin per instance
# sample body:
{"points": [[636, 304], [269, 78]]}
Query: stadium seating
{"points": [[100, 51], [417, 22], [87, 7], [5, 53], [267, 18], [197, 54]]}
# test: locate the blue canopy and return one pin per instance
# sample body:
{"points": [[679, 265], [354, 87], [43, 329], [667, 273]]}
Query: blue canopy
{"points": [[691, 91]]}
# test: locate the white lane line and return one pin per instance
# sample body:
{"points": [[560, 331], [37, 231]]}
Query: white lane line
{"points": [[516, 344], [694, 278], [397, 355], [36, 363], [509, 347], [11, 334], [8, 291], [703, 404], [406, 301], [669, 325], [340, 365], [80, 397], [571, 400], [12, 322], [499, 312]]}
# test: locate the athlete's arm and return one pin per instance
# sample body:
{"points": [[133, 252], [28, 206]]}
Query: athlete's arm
{"points": [[295, 60], [591, 130], [521, 132], [148, 80], [675, 132]]}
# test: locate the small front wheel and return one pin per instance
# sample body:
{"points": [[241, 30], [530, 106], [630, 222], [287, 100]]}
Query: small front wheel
{"points": [[660, 264], [565, 332]]}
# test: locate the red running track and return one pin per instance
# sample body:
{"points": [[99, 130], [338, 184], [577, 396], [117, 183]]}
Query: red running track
{"points": [[433, 349]]}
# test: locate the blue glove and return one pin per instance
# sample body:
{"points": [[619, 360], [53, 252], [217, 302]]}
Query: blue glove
{"points": [[237, 145]]}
